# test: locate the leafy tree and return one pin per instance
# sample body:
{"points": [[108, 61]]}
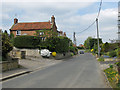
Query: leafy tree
{"points": [[91, 43], [6, 45], [87, 42]]}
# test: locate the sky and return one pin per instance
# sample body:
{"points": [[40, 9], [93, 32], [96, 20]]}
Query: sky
{"points": [[70, 16]]}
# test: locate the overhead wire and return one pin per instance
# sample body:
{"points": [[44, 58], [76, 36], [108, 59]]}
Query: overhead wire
{"points": [[93, 21]]}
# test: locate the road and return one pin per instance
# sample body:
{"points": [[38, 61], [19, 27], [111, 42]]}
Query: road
{"points": [[81, 71]]}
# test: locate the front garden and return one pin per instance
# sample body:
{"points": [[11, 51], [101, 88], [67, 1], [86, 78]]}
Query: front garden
{"points": [[60, 45]]}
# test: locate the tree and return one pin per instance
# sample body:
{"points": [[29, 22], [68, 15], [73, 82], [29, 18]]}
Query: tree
{"points": [[6, 45], [87, 42], [91, 43]]}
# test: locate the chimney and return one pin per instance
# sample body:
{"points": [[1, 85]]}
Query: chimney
{"points": [[15, 20], [64, 34], [61, 32], [52, 19]]}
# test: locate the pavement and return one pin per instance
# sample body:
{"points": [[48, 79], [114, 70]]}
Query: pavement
{"points": [[81, 71], [28, 65]]}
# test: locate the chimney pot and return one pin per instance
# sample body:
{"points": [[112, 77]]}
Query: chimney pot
{"points": [[15, 20], [52, 19]]}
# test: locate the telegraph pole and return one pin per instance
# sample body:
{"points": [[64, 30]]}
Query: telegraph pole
{"points": [[74, 38], [98, 37]]}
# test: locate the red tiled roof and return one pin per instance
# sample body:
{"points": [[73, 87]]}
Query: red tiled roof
{"points": [[32, 26]]}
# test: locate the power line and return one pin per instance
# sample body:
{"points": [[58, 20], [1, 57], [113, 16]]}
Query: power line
{"points": [[87, 27], [99, 9], [94, 20]]}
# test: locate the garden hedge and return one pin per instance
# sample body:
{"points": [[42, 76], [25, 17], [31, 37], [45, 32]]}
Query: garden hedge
{"points": [[58, 44], [27, 41]]}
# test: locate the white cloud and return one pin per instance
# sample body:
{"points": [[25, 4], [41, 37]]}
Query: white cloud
{"points": [[66, 15]]}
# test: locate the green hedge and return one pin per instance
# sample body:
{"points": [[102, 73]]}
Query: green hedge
{"points": [[27, 41], [58, 44]]}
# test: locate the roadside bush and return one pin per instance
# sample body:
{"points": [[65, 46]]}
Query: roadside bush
{"points": [[101, 59], [27, 42], [72, 54], [111, 66], [118, 52], [112, 76], [74, 50], [112, 54]]}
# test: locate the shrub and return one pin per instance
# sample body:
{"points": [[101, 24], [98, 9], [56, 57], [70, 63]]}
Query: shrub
{"points": [[111, 66], [74, 50], [72, 54], [6, 45], [58, 44], [112, 76], [101, 59], [118, 52], [112, 53], [118, 64], [27, 41]]}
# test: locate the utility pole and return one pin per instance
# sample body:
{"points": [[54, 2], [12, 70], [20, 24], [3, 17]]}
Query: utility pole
{"points": [[74, 38], [98, 37]]}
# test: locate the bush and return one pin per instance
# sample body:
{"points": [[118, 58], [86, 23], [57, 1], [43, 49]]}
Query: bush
{"points": [[57, 44], [118, 64], [118, 52], [6, 45], [112, 54], [111, 66], [74, 50], [112, 76], [27, 42], [101, 59], [72, 54]]}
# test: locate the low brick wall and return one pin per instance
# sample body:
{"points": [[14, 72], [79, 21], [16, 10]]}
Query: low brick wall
{"points": [[24, 53], [31, 52], [9, 65]]}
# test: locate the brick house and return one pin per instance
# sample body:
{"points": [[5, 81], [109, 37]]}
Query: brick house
{"points": [[30, 28]]}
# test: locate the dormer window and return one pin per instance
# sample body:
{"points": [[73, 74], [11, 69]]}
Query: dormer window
{"points": [[18, 32]]}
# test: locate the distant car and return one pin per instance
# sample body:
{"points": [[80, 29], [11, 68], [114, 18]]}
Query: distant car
{"points": [[81, 52]]}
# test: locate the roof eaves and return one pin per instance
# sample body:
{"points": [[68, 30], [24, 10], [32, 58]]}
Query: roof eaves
{"points": [[12, 26]]}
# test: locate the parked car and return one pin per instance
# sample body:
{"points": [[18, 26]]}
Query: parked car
{"points": [[45, 53], [81, 52]]}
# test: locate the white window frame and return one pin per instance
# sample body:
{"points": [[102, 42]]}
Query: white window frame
{"points": [[19, 32], [41, 33]]}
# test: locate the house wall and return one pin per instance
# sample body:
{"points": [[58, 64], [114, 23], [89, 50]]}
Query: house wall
{"points": [[31, 33]]}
